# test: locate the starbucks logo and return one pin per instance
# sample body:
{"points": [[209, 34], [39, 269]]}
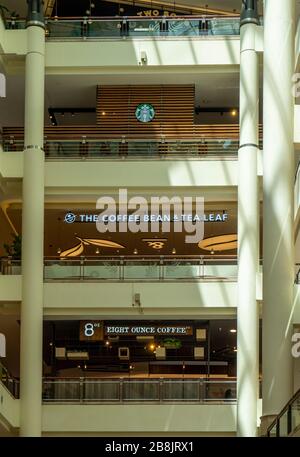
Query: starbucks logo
{"points": [[145, 112]]}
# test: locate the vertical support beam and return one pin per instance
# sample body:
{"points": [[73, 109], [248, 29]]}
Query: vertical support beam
{"points": [[278, 241], [33, 230], [247, 313]]}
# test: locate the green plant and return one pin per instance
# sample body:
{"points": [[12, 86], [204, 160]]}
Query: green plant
{"points": [[171, 343], [15, 248]]}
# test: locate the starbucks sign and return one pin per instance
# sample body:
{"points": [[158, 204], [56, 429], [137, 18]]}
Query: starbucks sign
{"points": [[145, 112]]}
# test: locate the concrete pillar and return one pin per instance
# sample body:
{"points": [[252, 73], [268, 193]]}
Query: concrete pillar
{"points": [[33, 235], [278, 243], [248, 232]]}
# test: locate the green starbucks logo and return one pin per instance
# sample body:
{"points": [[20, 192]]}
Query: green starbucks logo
{"points": [[145, 112]]}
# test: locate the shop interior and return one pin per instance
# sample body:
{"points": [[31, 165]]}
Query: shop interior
{"points": [[144, 348]]}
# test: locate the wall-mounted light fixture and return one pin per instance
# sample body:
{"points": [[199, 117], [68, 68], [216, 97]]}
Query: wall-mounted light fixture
{"points": [[144, 59]]}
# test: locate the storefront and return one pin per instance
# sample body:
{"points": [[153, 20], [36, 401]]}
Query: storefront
{"points": [[73, 232], [141, 348]]}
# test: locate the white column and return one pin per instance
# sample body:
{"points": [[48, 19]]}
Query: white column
{"points": [[278, 244], [33, 238], [247, 314]]}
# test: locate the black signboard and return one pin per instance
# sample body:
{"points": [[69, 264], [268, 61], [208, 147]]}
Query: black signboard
{"points": [[66, 8]]}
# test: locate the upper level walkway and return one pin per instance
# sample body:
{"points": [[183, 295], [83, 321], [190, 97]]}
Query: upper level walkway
{"points": [[76, 28], [170, 141], [72, 44]]}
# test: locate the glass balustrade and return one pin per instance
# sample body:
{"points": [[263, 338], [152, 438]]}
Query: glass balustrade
{"points": [[136, 268], [62, 270], [133, 27], [287, 423], [131, 268], [295, 414], [122, 149], [137, 390], [11, 384]]}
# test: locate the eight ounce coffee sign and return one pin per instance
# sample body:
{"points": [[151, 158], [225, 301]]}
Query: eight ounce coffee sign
{"points": [[145, 112]]}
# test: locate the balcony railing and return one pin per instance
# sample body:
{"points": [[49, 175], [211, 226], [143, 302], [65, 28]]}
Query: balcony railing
{"points": [[288, 421], [297, 277], [133, 149], [125, 390], [163, 141], [76, 28], [137, 268], [121, 390], [11, 383]]}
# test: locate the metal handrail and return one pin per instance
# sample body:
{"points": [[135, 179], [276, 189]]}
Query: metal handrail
{"points": [[126, 389], [145, 149], [136, 18], [297, 278], [128, 26], [9, 382], [287, 409], [161, 263]]}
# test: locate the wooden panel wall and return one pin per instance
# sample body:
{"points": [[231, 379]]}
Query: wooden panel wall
{"points": [[173, 104]]}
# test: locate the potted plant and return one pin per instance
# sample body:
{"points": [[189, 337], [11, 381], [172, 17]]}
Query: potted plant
{"points": [[14, 249]]}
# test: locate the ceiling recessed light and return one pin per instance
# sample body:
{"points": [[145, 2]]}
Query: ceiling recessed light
{"points": [[232, 330]]}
